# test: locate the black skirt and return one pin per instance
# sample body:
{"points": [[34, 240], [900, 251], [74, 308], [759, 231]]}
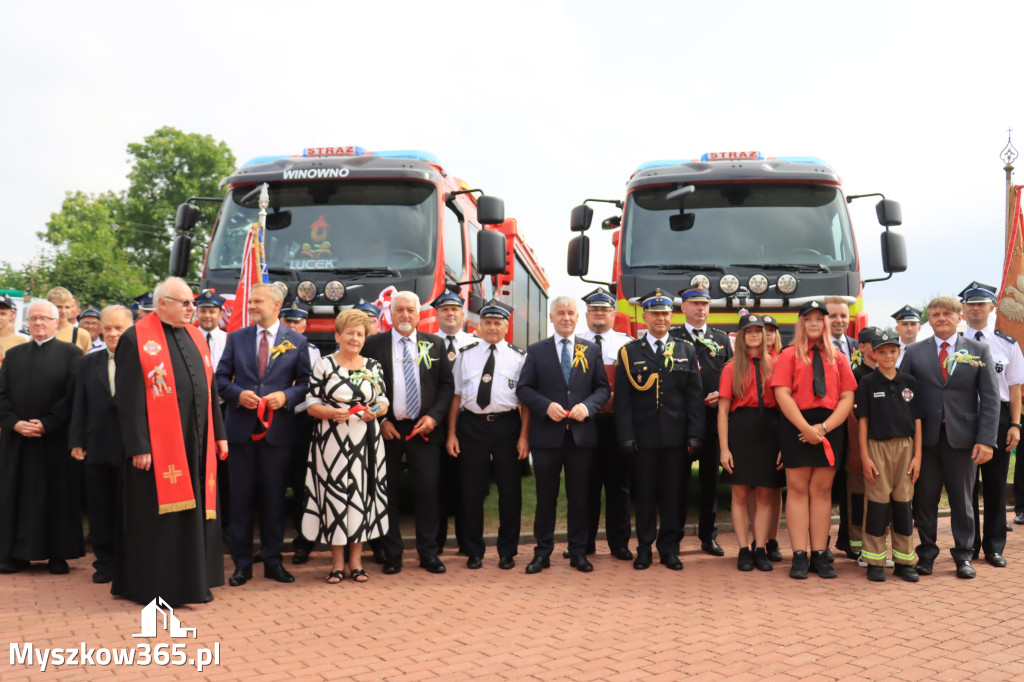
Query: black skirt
{"points": [[796, 454], [754, 444]]}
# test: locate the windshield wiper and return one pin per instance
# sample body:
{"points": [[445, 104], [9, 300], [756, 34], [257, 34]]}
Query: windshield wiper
{"points": [[379, 270], [675, 267], [800, 267]]}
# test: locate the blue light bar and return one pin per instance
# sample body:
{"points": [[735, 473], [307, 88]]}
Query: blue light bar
{"points": [[661, 163], [416, 154]]}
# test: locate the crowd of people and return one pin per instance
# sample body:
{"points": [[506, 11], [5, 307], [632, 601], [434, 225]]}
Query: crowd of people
{"points": [[178, 435]]}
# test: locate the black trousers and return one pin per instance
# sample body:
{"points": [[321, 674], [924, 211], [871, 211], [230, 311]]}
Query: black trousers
{"points": [[101, 505], [297, 465], [944, 465], [259, 475], [224, 492], [547, 469], [990, 482], [448, 495], [424, 461], [609, 470], [656, 476], [710, 460], [479, 441]]}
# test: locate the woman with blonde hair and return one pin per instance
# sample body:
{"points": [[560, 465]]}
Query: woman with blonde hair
{"points": [[748, 433], [814, 387], [346, 482]]}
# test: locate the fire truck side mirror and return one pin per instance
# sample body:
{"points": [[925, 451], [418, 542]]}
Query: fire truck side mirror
{"points": [[578, 264], [889, 214], [581, 218], [491, 254], [490, 210], [894, 252], [180, 251], [187, 217]]}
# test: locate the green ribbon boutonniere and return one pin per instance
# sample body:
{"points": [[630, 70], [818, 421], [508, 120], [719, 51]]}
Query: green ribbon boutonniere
{"points": [[715, 348], [668, 352], [961, 357], [424, 356], [365, 375]]}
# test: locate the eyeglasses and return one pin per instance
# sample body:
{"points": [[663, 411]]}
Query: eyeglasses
{"points": [[186, 303], [41, 319]]}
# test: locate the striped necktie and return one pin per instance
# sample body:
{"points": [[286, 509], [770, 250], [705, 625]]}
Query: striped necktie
{"points": [[412, 389]]}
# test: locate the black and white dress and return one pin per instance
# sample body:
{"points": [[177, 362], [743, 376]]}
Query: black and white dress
{"points": [[346, 477]]}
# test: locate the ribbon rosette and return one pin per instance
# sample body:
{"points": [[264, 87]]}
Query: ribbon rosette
{"points": [[280, 349], [961, 357], [857, 359], [668, 352], [365, 375], [712, 346], [579, 359], [424, 355]]}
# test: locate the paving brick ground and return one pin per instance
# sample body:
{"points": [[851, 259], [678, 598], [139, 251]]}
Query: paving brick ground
{"points": [[707, 622]]}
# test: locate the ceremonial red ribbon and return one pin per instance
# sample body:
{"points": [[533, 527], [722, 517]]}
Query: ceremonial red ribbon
{"points": [[829, 455], [416, 433], [356, 409], [266, 417]]}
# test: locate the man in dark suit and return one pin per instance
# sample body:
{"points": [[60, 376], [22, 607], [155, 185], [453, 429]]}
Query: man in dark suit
{"points": [[564, 385], [838, 322], [713, 351], [419, 386], [659, 412], [957, 382], [95, 436], [263, 374]]}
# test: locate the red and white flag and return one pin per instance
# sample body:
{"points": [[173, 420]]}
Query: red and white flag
{"points": [[254, 271]]}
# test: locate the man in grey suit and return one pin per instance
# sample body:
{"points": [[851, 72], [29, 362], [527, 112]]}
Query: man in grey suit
{"points": [[957, 384]]}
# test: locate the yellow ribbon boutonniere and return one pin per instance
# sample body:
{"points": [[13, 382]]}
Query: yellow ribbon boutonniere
{"points": [[579, 359], [424, 354], [858, 359], [668, 352], [961, 357], [283, 347]]}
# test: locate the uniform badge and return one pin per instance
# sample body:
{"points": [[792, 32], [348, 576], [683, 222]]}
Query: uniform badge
{"points": [[152, 347], [511, 383], [999, 367], [486, 378], [451, 356], [908, 395]]}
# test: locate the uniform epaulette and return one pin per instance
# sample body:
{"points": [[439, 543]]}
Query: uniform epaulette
{"points": [[1004, 335], [472, 345], [515, 348], [718, 331], [686, 341]]}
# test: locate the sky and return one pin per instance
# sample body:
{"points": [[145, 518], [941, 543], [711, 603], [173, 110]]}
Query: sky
{"points": [[543, 104]]}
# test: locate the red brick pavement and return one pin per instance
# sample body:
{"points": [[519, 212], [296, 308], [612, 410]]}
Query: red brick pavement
{"points": [[707, 622]]}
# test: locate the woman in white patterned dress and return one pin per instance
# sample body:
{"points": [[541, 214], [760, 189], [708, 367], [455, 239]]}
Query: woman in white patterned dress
{"points": [[346, 495]]}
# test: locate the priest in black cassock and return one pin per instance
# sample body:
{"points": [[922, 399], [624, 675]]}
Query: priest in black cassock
{"points": [[40, 501], [169, 542]]}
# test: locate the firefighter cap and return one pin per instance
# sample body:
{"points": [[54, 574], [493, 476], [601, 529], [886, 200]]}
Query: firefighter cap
{"points": [[448, 298], [7, 302], [600, 298], [209, 299], [496, 309], [885, 337], [770, 321], [750, 320], [907, 313], [976, 292], [368, 308], [656, 301], [811, 306], [868, 334], [695, 294], [294, 312], [89, 312]]}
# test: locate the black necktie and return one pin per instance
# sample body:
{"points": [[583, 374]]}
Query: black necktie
{"points": [[698, 332], [819, 372], [483, 393], [659, 347], [451, 343], [978, 336], [600, 349], [760, 387], [209, 338]]}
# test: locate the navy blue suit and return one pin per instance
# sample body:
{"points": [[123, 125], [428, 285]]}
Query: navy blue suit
{"points": [[260, 464], [567, 442]]}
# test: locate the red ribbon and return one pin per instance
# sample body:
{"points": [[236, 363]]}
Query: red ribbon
{"points": [[356, 409], [829, 455], [265, 415], [416, 433]]}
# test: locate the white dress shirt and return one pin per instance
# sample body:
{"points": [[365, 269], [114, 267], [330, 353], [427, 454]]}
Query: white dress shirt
{"points": [[611, 342], [1006, 356], [270, 339], [469, 370]]}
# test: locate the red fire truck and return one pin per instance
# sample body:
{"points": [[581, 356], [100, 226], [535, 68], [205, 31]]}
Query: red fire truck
{"points": [[760, 233], [346, 224]]}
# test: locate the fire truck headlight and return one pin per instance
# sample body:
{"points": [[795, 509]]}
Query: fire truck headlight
{"points": [[283, 288], [729, 284], [334, 291], [701, 281], [758, 284], [786, 284], [306, 291]]}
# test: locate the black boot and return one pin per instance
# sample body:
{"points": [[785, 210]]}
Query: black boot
{"points": [[821, 565], [745, 561], [772, 549], [799, 568], [761, 560]]}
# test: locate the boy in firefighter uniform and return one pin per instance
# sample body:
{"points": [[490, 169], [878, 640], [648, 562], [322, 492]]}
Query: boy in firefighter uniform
{"points": [[889, 413]]}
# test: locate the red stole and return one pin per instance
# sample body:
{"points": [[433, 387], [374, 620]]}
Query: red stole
{"points": [[170, 465]]}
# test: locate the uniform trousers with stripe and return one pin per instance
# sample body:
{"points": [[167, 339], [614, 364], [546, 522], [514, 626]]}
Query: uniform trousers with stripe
{"points": [[890, 496]]}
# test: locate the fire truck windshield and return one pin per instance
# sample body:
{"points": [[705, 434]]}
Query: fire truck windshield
{"points": [[333, 226], [756, 224]]}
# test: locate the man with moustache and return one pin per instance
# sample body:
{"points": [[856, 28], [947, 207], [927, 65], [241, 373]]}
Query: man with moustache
{"points": [[95, 437]]}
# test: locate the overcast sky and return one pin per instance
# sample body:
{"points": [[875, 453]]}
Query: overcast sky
{"points": [[541, 103]]}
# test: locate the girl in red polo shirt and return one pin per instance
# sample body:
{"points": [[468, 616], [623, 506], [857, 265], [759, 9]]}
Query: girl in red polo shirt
{"points": [[747, 428], [814, 387]]}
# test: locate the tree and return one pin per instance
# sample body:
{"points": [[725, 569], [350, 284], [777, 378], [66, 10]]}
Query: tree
{"points": [[168, 167], [111, 247]]}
